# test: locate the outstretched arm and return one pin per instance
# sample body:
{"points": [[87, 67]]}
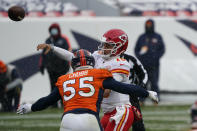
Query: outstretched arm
{"points": [[40, 104], [112, 84], [62, 53], [47, 101]]}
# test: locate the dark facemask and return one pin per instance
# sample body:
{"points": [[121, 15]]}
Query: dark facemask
{"points": [[149, 27]]}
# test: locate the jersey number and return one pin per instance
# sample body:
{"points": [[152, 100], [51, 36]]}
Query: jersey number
{"points": [[81, 85]]}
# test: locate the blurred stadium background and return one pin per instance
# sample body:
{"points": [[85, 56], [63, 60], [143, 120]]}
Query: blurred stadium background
{"points": [[84, 21]]}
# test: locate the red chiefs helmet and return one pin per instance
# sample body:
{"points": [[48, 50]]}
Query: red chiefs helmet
{"points": [[116, 39]]}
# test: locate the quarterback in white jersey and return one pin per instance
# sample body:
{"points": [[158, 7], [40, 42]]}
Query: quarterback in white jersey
{"points": [[119, 114], [120, 70]]}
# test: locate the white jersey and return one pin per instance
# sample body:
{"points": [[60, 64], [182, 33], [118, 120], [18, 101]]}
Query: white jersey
{"points": [[117, 66]]}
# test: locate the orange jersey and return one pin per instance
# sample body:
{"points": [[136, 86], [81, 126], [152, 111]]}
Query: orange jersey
{"points": [[82, 89]]}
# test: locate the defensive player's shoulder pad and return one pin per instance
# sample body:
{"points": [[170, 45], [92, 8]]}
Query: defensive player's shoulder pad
{"points": [[102, 73], [60, 80]]}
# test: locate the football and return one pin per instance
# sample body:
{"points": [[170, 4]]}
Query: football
{"points": [[16, 13]]}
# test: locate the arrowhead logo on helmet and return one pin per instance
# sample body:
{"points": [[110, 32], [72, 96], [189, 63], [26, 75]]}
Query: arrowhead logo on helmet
{"points": [[114, 42]]}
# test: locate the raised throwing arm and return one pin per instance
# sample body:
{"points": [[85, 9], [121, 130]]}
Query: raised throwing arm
{"points": [[62, 53]]}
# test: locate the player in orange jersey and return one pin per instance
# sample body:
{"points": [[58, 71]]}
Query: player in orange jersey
{"points": [[82, 93]]}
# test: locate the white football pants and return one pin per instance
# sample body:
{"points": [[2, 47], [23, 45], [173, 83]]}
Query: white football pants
{"points": [[79, 122]]}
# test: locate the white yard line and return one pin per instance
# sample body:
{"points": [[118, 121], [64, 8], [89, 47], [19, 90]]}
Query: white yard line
{"points": [[172, 127], [42, 125], [167, 118], [165, 112], [29, 124], [50, 115], [35, 116]]}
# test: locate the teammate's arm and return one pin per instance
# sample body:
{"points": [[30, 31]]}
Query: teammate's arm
{"points": [[40, 104], [141, 72], [138, 69]]}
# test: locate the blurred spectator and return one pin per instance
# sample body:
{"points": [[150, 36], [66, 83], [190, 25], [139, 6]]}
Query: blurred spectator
{"points": [[55, 66], [70, 9], [194, 116], [149, 49], [136, 13], [10, 87]]}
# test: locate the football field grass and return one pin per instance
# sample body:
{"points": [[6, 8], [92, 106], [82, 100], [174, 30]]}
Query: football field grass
{"points": [[156, 118]]}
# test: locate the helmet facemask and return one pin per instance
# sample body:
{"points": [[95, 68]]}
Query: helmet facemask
{"points": [[114, 43], [83, 59], [108, 49]]}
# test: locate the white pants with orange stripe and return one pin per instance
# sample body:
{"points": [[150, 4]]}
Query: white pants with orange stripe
{"points": [[120, 119], [79, 122]]}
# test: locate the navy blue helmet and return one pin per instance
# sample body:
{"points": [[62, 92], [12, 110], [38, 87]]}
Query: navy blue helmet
{"points": [[82, 58]]}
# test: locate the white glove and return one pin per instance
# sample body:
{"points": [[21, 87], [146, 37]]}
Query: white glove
{"points": [[153, 95], [24, 108]]}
